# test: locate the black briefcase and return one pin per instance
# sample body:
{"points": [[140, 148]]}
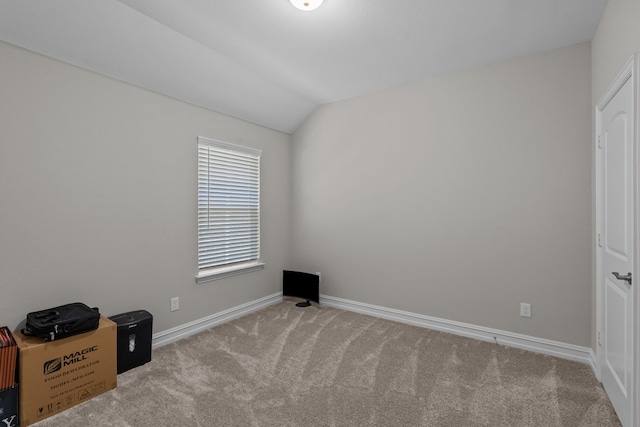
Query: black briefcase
{"points": [[61, 322]]}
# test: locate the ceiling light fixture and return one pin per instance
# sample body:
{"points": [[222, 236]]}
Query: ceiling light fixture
{"points": [[306, 4]]}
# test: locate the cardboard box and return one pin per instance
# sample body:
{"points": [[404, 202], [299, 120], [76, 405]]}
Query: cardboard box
{"points": [[57, 375]]}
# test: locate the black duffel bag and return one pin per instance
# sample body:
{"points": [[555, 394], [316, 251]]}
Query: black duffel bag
{"points": [[61, 322]]}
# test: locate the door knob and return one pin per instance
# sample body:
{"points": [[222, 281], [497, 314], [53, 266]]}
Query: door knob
{"points": [[619, 277]]}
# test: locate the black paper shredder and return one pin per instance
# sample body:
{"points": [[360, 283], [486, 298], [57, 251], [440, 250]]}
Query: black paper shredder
{"points": [[134, 338]]}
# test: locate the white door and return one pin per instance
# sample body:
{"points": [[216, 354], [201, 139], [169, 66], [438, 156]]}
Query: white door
{"points": [[616, 211]]}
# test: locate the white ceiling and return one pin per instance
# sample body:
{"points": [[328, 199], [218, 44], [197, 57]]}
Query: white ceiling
{"points": [[266, 62]]}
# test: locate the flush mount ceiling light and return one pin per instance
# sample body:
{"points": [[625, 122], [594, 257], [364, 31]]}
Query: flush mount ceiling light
{"points": [[306, 4]]}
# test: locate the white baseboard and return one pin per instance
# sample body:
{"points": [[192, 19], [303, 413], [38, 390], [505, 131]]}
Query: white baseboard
{"points": [[509, 339], [183, 331]]}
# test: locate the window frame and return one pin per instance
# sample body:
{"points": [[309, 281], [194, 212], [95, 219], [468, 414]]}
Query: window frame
{"points": [[220, 271]]}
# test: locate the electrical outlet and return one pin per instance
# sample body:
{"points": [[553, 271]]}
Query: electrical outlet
{"points": [[175, 304], [525, 309], [319, 276]]}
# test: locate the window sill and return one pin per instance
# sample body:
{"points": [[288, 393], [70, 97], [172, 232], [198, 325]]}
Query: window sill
{"points": [[224, 272]]}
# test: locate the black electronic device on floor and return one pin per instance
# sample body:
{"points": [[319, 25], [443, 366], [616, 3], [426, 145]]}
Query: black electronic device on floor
{"points": [[134, 338], [301, 285]]}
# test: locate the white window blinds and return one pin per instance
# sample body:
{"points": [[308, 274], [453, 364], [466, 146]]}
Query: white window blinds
{"points": [[228, 204]]}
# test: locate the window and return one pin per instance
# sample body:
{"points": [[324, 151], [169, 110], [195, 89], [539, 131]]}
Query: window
{"points": [[228, 209]]}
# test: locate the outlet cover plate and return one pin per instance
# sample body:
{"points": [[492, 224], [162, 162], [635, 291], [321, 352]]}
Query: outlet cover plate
{"points": [[525, 309]]}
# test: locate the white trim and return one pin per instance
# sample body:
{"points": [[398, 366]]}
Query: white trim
{"points": [[229, 146], [188, 329], [217, 273], [509, 339]]}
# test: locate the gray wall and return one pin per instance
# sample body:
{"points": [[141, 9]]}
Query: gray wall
{"points": [[457, 197], [98, 196], [617, 38]]}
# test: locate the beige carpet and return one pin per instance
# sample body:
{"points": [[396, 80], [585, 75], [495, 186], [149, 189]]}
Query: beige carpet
{"points": [[319, 366]]}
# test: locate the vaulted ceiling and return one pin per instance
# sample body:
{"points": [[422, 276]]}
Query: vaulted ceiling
{"points": [[266, 62]]}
